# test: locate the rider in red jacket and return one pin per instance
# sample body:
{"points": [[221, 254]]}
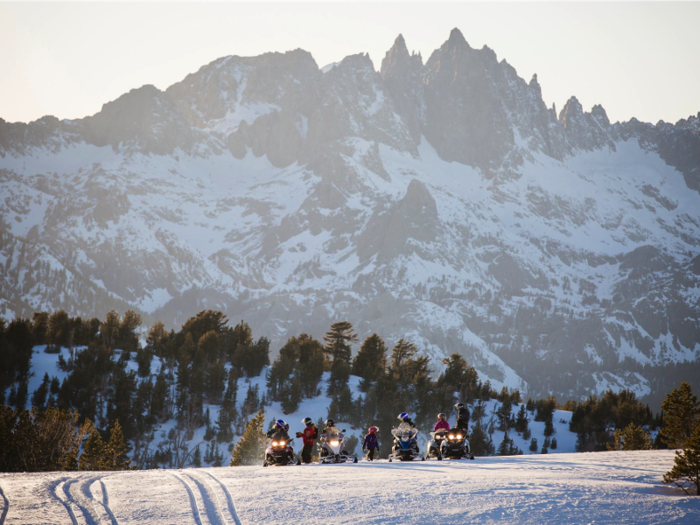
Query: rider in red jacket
{"points": [[308, 435]]}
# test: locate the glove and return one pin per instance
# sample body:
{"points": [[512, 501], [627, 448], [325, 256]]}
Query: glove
{"points": [[299, 434]]}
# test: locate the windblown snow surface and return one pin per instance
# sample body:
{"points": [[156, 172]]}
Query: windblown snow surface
{"points": [[605, 487]]}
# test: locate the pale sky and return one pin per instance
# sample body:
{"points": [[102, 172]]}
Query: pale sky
{"points": [[67, 59]]}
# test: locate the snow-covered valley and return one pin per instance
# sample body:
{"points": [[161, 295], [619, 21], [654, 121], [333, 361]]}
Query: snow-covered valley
{"points": [[606, 487]]}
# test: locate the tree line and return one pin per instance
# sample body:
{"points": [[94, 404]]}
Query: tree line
{"points": [[111, 379]]}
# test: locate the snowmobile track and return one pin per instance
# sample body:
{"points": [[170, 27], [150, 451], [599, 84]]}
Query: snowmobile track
{"points": [[210, 501], [79, 499], [5, 507], [99, 505], [227, 496], [193, 500], [56, 489]]}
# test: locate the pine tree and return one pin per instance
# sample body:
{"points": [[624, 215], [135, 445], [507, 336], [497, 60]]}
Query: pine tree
{"points": [[633, 437], [508, 447], [479, 442], [680, 410], [548, 427], [40, 394], [251, 447], [197, 457], [521, 420], [370, 361], [115, 450], [533, 445], [94, 455], [554, 444], [686, 467]]}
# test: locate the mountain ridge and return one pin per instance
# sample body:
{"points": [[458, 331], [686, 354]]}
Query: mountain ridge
{"points": [[441, 201]]}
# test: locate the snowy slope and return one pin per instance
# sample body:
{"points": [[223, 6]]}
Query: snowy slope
{"points": [[316, 408], [606, 487]]}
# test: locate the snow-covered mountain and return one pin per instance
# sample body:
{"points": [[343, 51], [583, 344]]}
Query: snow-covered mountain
{"points": [[442, 202]]}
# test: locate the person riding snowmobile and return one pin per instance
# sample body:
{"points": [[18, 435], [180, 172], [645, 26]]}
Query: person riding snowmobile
{"points": [[442, 423], [407, 425], [278, 431], [462, 417], [308, 435], [371, 443], [329, 430]]}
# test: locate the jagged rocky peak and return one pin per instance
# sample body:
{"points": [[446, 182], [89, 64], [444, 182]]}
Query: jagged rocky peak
{"points": [[398, 62], [585, 131], [456, 39], [600, 116], [145, 119], [571, 111]]}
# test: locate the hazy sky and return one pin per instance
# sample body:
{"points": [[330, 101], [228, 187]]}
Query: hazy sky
{"points": [[67, 59]]}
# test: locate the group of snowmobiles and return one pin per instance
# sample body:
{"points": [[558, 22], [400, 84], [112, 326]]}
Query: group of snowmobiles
{"points": [[445, 443]]}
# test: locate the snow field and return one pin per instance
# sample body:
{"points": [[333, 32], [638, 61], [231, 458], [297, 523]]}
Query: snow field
{"points": [[604, 487]]}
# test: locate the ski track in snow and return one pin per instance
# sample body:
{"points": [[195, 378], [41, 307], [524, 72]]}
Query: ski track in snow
{"points": [[57, 488], [5, 506], [105, 501], [221, 490], [100, 506], [196, 503]]}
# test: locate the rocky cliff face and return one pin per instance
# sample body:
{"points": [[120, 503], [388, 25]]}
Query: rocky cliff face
{"points": [[439, 201]]}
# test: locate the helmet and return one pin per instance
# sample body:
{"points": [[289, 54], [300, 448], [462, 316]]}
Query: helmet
{"points": [[307, 421], [459, 406], [403, 416], [373, 430], [441, 416], [330, 422], [280, 423]]}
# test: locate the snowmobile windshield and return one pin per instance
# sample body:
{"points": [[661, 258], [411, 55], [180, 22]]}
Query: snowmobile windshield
{"points": [[332, 433], [403, 433]]}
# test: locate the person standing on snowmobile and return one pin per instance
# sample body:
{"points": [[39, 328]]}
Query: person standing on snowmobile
{"points": [[442, 423], [371, 444], [462, 417], [308, 435]]}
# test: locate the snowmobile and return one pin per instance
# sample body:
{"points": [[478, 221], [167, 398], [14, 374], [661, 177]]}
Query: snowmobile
{"points": [[456, 445], [332, 449], [405, 445], [435, 444], [279, 452]]}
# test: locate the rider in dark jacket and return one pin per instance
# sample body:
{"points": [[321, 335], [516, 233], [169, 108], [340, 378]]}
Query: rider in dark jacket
{"points": [[371, 443], [278, 431], [462, 417]]}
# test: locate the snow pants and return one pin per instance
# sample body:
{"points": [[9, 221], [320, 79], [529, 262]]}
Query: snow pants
{"points": [[463, 424], [372, 453], [306, 453]]}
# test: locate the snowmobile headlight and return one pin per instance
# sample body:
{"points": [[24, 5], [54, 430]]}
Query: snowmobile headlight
{"points": [[451, 436], [282, 443], [335, 443], [459, 436], [274, 443]]}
